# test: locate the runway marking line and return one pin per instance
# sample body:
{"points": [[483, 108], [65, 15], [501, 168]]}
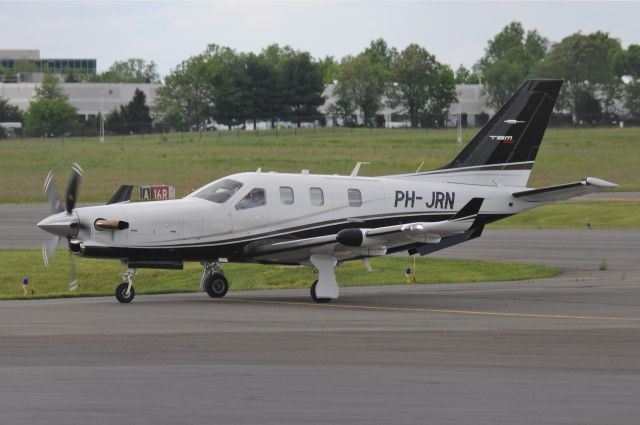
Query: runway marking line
{"points": [[433, 310]]}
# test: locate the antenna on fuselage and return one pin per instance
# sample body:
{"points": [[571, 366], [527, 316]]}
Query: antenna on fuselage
{"points": [[421, 164], [356, 169]]}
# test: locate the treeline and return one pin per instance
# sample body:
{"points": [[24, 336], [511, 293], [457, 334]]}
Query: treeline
{"points": [[601, 79], [224, 87]]}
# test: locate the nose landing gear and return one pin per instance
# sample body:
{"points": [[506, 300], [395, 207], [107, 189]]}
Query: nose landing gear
{"points": [[125, 292]]}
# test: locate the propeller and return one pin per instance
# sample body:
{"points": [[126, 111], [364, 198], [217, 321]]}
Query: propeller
{"points": [[61, 222]]}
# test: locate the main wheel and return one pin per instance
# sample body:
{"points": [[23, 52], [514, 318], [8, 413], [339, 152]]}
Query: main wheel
{"points": [[315, 297], [121, 293], [216, 285]]}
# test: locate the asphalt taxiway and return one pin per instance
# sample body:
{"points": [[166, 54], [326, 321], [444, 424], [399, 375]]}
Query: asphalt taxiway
{"points": [[556, 351]]}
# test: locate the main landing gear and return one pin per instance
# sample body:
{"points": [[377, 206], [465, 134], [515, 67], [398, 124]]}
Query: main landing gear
{"points": [[213, 281], [125, 292], [325, 288]]}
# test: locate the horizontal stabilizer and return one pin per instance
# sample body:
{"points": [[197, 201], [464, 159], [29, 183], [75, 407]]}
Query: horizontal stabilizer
{"points": [[565, 191], [447, 242], [470, 209]]}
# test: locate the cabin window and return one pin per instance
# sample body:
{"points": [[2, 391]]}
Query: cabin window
{"points": [[286, 195], [316, 195], [355, 198], [220, 191], [255, 198]]}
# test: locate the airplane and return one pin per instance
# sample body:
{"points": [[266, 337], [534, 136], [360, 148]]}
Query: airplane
{"points": [[321, 220]]}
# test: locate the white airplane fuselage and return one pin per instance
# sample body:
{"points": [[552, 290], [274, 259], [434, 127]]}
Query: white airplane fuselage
{"points": [[196, 229]]}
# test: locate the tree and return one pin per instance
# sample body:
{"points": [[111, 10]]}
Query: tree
{"points": [[419, 84], [134, 70], [466, 76], [587, 64], [361, 85], [509, 59], [134, 117], [303, 87], [380, 53], [329, 69], [632, 100], [9, 113], [50, 113], [260, 82], [627, 62]]}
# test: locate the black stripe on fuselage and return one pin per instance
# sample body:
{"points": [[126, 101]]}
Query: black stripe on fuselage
{"points": [[234, 251]]}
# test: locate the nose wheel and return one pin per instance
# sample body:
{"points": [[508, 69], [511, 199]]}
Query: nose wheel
{"points": [[125, 292]]}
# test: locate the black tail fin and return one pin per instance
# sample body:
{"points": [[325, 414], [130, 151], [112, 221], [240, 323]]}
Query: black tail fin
{"points": [[513, 135]]}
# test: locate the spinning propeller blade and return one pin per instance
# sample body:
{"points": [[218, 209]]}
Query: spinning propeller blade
{"points": [[51, 192], [49, 249], [72, 187], [55, 224]]}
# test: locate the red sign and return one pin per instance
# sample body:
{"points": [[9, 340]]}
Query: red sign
{"points": [[159, 192]]}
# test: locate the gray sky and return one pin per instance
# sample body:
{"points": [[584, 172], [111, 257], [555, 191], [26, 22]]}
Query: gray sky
{"points": [[169, 32]]}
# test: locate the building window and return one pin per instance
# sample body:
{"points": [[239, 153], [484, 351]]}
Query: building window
{"points": [[253, 199], [286, 195], [355, 198], [317, 197]]}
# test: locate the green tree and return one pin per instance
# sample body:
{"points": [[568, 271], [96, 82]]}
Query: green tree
{"points": [[50, 113], [509, 59], [632, 100], [329, 69], [134, 117], [627, 62], [380, 53], [9, 113], [303, 89], [420, 83], [362, 83], [466, 76], [134, 70], [260, 83], [588, 66]]}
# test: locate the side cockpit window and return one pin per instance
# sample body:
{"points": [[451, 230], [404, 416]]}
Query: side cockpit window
{"points": [[220, 191], [255, 198]]}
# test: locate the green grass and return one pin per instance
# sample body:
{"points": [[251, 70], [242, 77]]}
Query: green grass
{"points": [[100, 277], [189, 161], [576, 215]]}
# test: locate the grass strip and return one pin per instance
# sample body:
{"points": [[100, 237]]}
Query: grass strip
{"points": [[100, 277]]}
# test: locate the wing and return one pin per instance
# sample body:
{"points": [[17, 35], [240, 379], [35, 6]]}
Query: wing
{"points": [[360, 242], [565, 191]]}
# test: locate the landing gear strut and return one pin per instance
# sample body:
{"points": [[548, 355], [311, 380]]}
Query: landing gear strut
{"points": [[213, 281], [325, 288], [125, 292]]}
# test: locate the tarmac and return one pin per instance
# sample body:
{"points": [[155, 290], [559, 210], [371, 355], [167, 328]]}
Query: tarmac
{"points": [[564, 350]]}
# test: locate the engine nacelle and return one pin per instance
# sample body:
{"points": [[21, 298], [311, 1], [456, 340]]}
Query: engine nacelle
{"points": [[356, 238]]}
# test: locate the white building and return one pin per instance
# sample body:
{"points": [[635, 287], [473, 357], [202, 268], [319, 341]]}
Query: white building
{"points": [[470, 102], [88, 98]]}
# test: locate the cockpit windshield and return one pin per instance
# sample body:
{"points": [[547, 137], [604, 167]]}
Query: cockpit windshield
{"points": [[218, 192]]}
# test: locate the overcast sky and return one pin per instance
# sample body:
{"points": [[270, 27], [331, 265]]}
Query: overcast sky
{"points": [[169, 32]]}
